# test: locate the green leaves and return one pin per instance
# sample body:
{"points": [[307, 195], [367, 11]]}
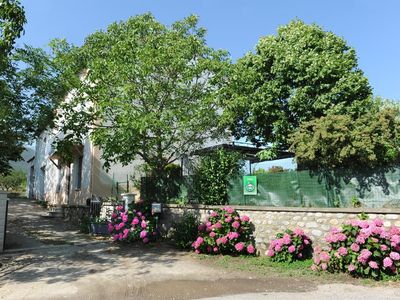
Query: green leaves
{"points": [[340, 140], [152, 91], [212, 176], [12, 20], [300, 74]]}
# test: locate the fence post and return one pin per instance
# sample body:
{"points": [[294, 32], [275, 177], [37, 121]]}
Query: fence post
{"points": [[3, 219]]}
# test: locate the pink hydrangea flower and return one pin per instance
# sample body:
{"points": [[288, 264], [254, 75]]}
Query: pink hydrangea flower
{"points": [[324, 256], [143, 234], [228, 219], [236, 224], [212, 234], [229, 209], [233, 235], [351, 268], [292, 249], [217, 225], [378, 222], [239, 246], [387, 262], [383, 247], [215, 249], [114, 215], [373, 264], [250, 249], [213, 214], [364, 256], [298, 231], [124, 218], [395, 256], [143, 224], [139, 214], [286, 239], [119, 207], [360, 240], [135, 221], [245, 218], [145, 240], [355, 247], [342, 251], [270, 253], [324, 266], [110, 227]]}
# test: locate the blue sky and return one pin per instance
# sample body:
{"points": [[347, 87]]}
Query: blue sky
{"points": [[371, 27]]}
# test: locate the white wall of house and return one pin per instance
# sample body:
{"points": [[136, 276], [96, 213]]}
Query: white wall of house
{"points": [[74, 183]]}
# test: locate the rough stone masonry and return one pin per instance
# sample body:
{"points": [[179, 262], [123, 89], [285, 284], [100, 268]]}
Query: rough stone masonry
{"points": [[268, 221]]}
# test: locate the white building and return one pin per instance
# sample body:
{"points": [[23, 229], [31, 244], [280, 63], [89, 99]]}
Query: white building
{"points": [[73, 183]]}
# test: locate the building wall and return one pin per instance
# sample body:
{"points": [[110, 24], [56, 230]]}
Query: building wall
{"points": [[268, 221], [59, 186], [51, 178]]}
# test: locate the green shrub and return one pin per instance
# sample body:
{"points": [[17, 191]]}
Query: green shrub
{"points": [[15, 181], [212, 175], [185, 231]]}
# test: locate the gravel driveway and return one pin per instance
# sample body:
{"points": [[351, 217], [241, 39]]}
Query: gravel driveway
{"points": [[63, 264]]}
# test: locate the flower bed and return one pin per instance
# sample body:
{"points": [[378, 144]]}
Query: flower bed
{"points": [[362, 248], [131, 225], [225, 232], [290, 246]]}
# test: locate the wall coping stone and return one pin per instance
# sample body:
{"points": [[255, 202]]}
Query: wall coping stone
{"points": [[74, 206], [291, 209]]}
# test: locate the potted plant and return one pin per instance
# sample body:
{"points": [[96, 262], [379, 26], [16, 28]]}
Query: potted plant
{"points": [[98, 225]]}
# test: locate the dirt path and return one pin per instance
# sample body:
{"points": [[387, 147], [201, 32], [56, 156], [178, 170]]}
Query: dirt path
{"points": [[29, 226], [55, 269]]}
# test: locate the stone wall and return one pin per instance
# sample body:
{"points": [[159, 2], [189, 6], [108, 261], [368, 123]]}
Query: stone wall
{"points": [[268, 221], [75, 213]]}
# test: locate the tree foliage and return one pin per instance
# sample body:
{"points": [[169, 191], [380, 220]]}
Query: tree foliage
{"points": [[300, 74], [12, 135], [332, 141], [15, 181], [32, 82], [212, 175], [149, 91]]}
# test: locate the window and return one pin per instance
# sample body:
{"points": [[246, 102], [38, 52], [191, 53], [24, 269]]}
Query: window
{"points": [[79, 173], [60, 177]]}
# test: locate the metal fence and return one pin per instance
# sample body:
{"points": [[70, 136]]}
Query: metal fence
{"points": [[339, 188]]}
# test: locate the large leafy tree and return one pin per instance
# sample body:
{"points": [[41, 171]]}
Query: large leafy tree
{"points": [[32, 83], [149, 91], [337, 141], [299, 74], [12, 134]]}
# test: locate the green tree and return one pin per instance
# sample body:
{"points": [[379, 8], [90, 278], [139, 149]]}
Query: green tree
{"points": [[212, 175], [15, 181], [32, 82], [150, 92], [336, 141], [300, 74], [12, 134]]}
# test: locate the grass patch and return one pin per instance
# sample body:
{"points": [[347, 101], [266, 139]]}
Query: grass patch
{"points": [[264, 267]]}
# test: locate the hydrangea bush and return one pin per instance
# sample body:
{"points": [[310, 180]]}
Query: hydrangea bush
{"points": [[290, 246], [362, 248], [131, 225], [225, 232]]}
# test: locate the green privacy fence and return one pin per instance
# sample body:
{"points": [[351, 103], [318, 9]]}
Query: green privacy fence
{"points": [[380, 188]]}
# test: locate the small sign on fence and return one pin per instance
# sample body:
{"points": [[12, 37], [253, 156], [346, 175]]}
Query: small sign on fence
{"points": [[249, 185]]}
